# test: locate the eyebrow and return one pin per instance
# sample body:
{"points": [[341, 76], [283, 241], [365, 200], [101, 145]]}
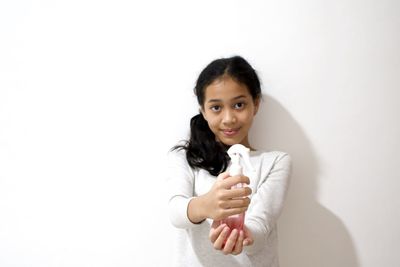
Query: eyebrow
{"points": [[219, 100]]}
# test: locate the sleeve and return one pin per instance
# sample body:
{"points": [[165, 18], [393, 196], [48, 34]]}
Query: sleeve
{"points": [[180, 187], [268, 201]]}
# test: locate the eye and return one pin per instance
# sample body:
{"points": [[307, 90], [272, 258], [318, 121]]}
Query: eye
{"points": [[215, 108], [239, 105]]}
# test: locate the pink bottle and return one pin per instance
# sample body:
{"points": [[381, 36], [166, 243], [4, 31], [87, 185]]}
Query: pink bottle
{"points": [[236, 152]]}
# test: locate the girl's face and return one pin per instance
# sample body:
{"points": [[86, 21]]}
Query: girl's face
{"points": [[229, 110]]}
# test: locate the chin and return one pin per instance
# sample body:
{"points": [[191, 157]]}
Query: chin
{"points": [[230, 142]]}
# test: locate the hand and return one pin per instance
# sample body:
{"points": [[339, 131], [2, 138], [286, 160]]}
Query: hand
{"points": [[229, 242], [222, 201], [248, 237]]}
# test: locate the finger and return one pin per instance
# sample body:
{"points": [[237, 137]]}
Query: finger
{"points": [[236, 203], [234, 193], [248, 241], [237, 192], [234, 180], [230, 242], [214, 233], [215, 224], [239, 244], [233, 211], [219, 242]]}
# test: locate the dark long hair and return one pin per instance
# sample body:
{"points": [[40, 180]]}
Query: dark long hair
{"points": [[202, 149]]}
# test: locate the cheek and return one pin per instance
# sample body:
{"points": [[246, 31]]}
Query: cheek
{"points": [[244, 116], [213, 124], [248, 118]]}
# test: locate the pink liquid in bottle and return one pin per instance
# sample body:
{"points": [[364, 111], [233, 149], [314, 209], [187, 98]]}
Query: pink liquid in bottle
{"points": [[234, 221]]}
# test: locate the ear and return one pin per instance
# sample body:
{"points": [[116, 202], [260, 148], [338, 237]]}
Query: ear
{"points": [[256, 105]]}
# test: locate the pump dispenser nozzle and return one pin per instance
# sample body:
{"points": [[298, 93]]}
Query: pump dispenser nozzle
{"points": [[236, 152]]}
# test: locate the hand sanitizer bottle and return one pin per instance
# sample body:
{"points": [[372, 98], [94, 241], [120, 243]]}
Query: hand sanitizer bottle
{"points": [[237, 152]]}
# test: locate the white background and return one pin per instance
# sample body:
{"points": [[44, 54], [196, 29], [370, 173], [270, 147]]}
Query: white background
{"points": [[94, 93]]}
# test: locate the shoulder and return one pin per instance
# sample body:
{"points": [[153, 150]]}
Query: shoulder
{"points": [[177, 157], [270, 156], [176, 160], [270, 160]]}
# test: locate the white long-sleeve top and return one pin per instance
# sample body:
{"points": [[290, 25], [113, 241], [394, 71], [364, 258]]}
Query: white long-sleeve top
{"points": [[269, 183]]}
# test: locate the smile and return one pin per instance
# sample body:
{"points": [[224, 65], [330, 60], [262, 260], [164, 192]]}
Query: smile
{"points": [[230, 132]]}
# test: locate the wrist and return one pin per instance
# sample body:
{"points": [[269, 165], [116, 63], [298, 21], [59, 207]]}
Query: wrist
{"points": [[195, 211]]}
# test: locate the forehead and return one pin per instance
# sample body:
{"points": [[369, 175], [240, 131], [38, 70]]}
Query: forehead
{"points": [[225, 89]]}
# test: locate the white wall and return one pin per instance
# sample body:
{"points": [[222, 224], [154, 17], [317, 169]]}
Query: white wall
{"points": [[93, 93]]}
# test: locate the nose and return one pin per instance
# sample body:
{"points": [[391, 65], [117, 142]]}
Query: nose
{"points": [[229, 117]]}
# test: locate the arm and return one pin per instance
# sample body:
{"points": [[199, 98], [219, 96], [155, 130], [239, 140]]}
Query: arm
{"points": [[268, 201], [186, 210], [180, 186]]}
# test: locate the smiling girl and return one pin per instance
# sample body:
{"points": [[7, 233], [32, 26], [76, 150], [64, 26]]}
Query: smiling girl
{"points": [[200, 190]]}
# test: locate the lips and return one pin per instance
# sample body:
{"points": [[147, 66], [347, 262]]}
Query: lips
{"points": [[230, 132]]}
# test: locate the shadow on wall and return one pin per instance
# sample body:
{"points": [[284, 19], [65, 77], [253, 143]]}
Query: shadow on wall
{"points": [[309, 234]]}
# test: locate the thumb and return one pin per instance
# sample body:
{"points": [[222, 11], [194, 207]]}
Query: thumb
{"points": [[249, 240], [223, 176], [215, 224]]}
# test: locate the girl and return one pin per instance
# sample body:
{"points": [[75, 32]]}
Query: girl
{"points": [[199, 187]]}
